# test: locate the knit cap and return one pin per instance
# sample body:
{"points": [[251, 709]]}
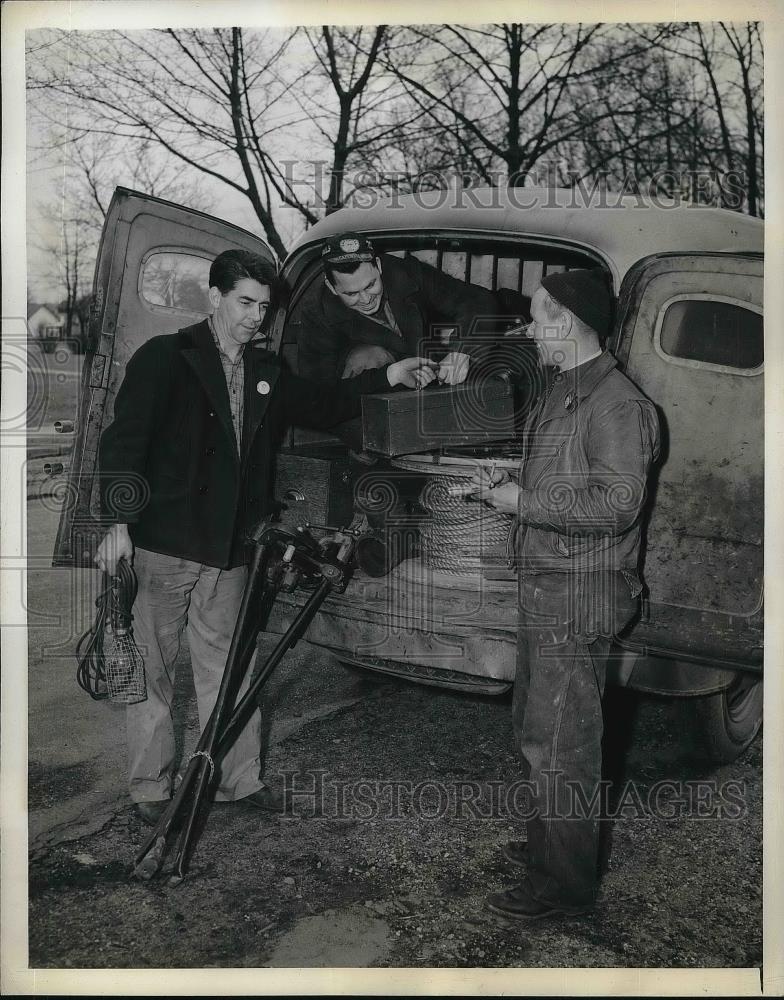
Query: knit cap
{"points": [[586, 293]]}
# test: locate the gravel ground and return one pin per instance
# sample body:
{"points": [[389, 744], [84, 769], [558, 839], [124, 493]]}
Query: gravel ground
{"points": [[361, 887]]}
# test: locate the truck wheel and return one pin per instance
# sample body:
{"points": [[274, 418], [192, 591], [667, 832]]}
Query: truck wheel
{"points": [[727, 722]]}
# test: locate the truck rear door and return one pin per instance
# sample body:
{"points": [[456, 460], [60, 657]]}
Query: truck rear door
{"points": [[691, 337], [151, 277]]}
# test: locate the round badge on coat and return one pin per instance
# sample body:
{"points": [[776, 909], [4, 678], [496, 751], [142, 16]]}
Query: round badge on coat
{"points": [[263, 387]]}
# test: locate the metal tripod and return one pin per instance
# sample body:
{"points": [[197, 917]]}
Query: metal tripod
{"points": [[281, 560]]}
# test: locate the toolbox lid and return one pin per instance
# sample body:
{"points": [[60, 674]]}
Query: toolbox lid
{"points": [[477, 391]]}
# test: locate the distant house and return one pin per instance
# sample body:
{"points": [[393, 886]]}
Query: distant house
{"points": [[47, 323]]}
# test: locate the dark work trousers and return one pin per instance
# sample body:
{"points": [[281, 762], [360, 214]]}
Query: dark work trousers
{"points": [[563, 644]]}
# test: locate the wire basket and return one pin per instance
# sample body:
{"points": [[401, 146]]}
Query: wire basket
{"points": [[124, 668]]}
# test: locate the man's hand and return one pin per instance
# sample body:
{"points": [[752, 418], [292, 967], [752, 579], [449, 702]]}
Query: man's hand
{"points": [[488, 479], [496, 488], [454, 368], [414, 373], [116, 544]]}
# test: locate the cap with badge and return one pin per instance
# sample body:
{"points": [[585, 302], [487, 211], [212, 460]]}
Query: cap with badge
{"points": [[347, 248]]}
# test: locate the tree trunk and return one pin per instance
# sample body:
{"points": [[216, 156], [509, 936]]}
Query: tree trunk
{"points": [[725, 132], [751, 138], [514, 154], [340, 156], [261, 209]]}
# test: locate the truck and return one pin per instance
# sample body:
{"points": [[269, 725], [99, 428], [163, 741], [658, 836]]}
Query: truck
{"points": [[688, 332]]}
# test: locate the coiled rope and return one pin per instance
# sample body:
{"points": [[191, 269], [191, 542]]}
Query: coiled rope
{"points": [[458, 536]]}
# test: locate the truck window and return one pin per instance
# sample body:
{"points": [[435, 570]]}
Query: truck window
{"points": [[175, 279], [721, 333]]}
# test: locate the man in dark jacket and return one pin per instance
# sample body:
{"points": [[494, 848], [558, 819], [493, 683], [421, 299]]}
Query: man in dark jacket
{"points": [[588, 447], [185, 472], [372, 309]]}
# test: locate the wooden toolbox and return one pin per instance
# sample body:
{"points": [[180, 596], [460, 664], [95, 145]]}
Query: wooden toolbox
{"points": [[316, 484], [403, 423]]}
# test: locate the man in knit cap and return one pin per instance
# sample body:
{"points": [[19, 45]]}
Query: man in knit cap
{"points": [[588, 447]]}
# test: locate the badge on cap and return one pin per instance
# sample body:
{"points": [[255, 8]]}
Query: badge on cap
{"points": [[349, 246], [263, 387]]}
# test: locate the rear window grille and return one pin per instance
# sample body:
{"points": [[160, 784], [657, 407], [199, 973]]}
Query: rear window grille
{"points": [[494, 270]]}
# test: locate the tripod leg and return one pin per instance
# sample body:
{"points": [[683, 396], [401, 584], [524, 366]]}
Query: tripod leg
{"points": [[198, 766], [243, 642], [151, 855], [246, 631], [224, 738], [234, 724], [202, 771], [220, 732]]}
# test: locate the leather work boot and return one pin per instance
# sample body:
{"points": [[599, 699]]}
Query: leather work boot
{"points": [[266, 798], [150, 812], [518, 903], [516, 853]]}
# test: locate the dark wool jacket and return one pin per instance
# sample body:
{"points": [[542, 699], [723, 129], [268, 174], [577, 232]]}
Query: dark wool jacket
{"points": [[584, 478], [169, 463], [419, 296]]}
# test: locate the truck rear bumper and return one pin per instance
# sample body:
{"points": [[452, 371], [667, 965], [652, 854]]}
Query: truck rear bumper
{"points": [[459, 632]]}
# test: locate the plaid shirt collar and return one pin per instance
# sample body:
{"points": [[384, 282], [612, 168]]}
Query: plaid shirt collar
{"points": [[234, 373]]}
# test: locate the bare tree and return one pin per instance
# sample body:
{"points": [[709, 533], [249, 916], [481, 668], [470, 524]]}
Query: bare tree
{"points": [[647, 117], [210, 99], [66, 248], [505, 95], [347, 62], [745, 43], [231, 103], [366, 116], [636, 107], [698, 91], [72, 246], [89, 172], [394, 105]]}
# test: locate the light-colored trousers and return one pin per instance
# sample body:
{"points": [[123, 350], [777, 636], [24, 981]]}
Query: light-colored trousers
{"points": [[174, 594]]}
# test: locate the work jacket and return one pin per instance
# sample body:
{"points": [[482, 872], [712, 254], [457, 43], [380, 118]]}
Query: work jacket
{"points": [[584, 474], [169, 462], [424, 301]]}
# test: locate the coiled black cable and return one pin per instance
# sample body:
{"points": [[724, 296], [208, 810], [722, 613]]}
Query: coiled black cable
{"points": [[114, 605]]}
